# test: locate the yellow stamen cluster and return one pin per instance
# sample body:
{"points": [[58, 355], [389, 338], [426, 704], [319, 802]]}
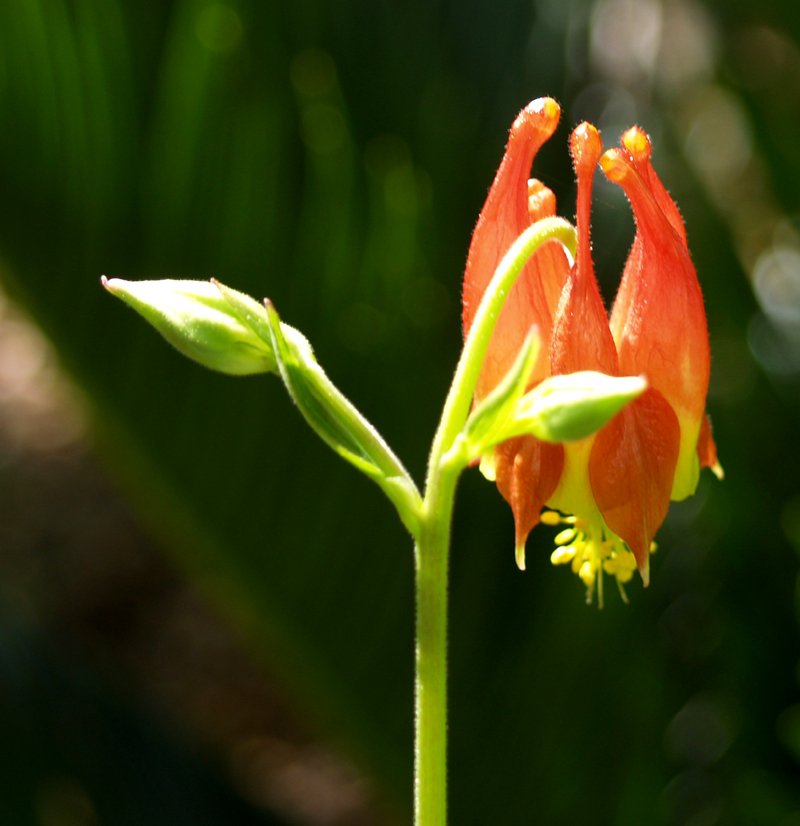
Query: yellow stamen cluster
{"points": [[591, 549]]}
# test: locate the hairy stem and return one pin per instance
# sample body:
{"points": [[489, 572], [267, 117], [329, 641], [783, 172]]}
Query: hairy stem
{"points": [[433, 534]]}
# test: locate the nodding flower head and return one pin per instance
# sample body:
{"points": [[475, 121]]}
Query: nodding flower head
{"points": [[612, 490]]}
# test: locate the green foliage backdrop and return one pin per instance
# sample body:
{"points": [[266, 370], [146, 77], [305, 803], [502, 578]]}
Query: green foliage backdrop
{"points": [[334, 156]]}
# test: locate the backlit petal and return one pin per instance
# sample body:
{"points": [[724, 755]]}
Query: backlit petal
{"points": [[659, 321], [505, 215], [550, 262], [638, 145], [527, 471], [581, 339], [631, 469]]}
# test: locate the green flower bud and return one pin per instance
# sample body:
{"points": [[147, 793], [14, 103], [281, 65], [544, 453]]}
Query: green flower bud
{"points": [[200, 322]]}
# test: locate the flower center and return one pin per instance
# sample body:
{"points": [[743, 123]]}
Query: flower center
{"points": [[592, 549]]}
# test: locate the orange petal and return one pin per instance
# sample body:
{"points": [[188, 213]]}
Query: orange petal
{"points": [[550, 261], [631, 468], [581, 338], [625, 291], [638, 145], [505, 215], [527, 472], [658, 321]]}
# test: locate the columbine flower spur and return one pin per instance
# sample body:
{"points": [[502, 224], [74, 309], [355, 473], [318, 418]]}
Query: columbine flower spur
{"points": [[612, 490]]}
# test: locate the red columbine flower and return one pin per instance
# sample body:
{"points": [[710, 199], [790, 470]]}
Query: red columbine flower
{"points": [[614, 487]]}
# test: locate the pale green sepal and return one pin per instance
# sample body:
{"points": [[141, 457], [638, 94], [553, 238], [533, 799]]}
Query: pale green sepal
{"points": [[199, 322], [489, 419], [574, 406], [337, 421], [685, 482], [249, 311], [488, 466]]}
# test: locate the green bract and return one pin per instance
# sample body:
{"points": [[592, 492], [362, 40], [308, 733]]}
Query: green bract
{"points": [[489, 421], [571, 407], [559, 409], [202, 323]]}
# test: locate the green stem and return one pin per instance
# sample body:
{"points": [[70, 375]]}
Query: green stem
{"points": [[459, 398], [430, 747], [433, 533]]}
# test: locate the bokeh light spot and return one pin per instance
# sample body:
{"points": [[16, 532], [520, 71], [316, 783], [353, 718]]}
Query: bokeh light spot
{"points": [[62, 801], [426, 302], [313, 73], [219, 28], [625, 37], [719, 142], [323, 128], [362, 328]]}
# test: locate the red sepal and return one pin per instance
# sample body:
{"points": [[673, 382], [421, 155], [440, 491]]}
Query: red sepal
{"points": [[631, 467], [508, 211], [528, 471]]}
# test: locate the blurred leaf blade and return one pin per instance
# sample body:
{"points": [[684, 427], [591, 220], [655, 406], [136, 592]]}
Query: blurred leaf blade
{"points": [[127, 149]]}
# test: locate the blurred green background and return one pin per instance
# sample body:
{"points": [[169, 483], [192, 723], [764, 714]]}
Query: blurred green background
{"points": [[334, 155]]}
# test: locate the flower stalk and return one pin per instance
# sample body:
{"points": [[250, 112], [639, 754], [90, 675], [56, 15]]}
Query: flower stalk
{"points": [[433, 540]]}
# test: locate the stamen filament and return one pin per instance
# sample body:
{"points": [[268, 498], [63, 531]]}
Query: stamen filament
{"points": [[592, 550]]}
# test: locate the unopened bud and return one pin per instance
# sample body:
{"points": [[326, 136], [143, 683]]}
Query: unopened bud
{"points": [[199, 322]]}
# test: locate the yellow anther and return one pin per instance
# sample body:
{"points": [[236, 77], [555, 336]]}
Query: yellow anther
{"points": [[587, 573], [561, 556], [611, 566], [592, 550], [550, 518], [653, 547], [565, 536], [607, 547]]}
